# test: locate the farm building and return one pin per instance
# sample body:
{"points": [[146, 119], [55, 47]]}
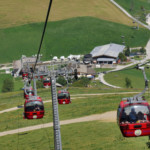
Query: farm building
{"points": [[107, 54], [85, 70]]}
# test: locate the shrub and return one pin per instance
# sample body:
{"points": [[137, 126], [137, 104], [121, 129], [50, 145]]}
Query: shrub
{"points": [[61, 80], [8, 85], [39, 84], [81, 82], [122, 57], [128, 82], [127, 52], [143, 50]]}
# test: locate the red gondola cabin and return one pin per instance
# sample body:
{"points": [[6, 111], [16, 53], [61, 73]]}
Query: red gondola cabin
{"points": [[33, 108], [46, 83], [134, 117], [63, 97], [24, 75], [28, 91]]}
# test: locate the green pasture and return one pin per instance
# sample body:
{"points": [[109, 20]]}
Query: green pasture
{"points": [[136, 7], [31, 11], [82, 106], [90, 135], [73, 36], [118, 78], [95, 135], [14, 99]]}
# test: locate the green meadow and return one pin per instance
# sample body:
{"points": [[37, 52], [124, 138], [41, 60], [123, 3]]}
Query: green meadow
{"points": [[74, 27], [136, 77], [73, 36], [14, 99], [80, 106], [135, 7], [94, 135]]}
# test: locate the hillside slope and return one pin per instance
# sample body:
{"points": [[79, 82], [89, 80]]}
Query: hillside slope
{"points": [[19, 12], [72, 36], [138, 8]]}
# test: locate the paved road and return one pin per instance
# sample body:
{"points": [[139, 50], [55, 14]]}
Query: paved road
{"points": [[106, 117]]}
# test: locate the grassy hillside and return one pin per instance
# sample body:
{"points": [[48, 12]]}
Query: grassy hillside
{"points": [[95, 135], [18, 12], [118, 78], [13, 99], [72, 36], [89, 135], [80, 106], [136, 7]]}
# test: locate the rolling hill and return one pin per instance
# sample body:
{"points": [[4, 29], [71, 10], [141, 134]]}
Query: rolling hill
{"points": [[72, 36], [138, 8], [19, 12]]}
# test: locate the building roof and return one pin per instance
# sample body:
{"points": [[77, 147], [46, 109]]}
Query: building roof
{"points": [[111, 50], [105, 59]]}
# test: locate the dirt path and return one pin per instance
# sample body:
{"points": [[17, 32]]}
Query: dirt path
{"points": [[105, 117], [48, 101]]}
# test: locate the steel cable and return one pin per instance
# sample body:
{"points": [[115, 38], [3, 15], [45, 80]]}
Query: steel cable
{"points": [[45, 25]]}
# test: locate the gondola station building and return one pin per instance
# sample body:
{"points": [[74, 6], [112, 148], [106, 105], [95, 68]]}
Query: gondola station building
{"points": [[107, 54]]}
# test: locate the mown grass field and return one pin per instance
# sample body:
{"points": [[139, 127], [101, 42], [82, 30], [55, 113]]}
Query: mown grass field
{"points": [[136, 77], [80, 106], [72, 36], [90, 135], [31, 11], [14, 99], [134, 7], [94, 135]]}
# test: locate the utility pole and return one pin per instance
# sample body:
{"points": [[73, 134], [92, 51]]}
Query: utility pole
{"points": [[56, 125]]}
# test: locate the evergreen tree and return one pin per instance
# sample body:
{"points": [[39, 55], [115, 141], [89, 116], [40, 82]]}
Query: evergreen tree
{"points": [[122, 57], [128, 82], [61, 80], [127, 52], [143, 50]]}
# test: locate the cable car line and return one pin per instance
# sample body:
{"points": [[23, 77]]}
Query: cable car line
{"points": [[45, 25]]}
